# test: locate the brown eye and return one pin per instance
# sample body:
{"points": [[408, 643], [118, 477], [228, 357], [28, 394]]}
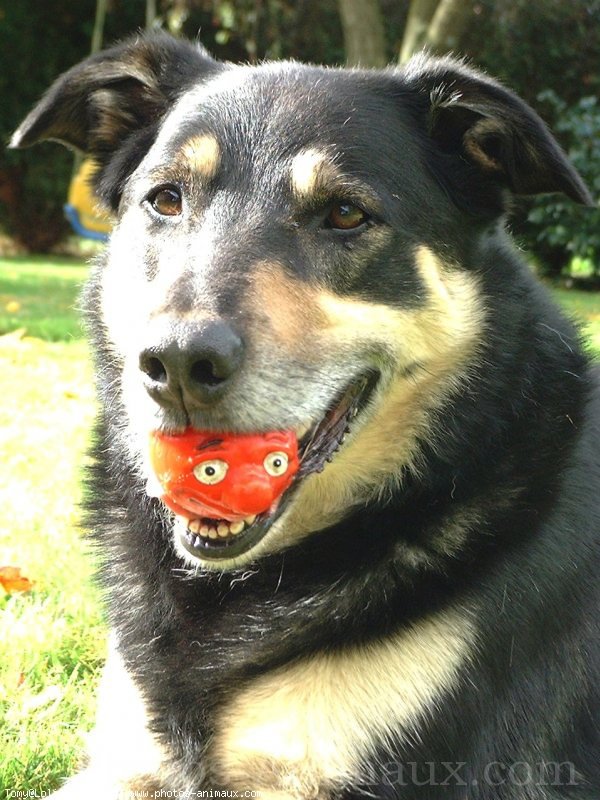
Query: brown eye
{"points": [[346, 216], [166, 202]]}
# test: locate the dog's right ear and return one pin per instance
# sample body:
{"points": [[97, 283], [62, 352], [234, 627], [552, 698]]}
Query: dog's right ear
{"points": [[490, 133], [97, 103]]}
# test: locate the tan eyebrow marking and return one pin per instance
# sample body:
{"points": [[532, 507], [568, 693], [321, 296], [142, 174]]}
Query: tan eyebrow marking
{"points": [[311, 170], [316, 177], [203, 154]]}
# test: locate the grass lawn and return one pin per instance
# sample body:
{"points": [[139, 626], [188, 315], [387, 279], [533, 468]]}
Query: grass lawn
{"points": [[585, 307], [52, 638], [39, 294]]}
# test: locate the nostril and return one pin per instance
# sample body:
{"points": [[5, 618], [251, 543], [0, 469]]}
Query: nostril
{"points": [[204, 372], [190, 363], [154, 368]]}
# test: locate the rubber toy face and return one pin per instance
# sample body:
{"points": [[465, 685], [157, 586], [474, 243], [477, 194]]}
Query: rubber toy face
{"points": [[221, 476]]}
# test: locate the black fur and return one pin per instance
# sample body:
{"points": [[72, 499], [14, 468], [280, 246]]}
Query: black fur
{"points": [[445, 149]]}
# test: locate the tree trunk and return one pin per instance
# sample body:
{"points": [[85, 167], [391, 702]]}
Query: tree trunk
{"points": [[435, 25], [364, 37], [176, 16], [151, 13], [419, 17], [450, 21], [98, 32]]}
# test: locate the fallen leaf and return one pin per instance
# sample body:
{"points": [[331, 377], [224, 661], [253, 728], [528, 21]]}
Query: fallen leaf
{"points": [[12, 581]]}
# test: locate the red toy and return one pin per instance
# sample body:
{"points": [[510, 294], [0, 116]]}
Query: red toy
{"points": [[223, 476]]}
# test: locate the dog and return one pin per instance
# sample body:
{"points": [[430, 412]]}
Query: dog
{"points": [[323, 252]]}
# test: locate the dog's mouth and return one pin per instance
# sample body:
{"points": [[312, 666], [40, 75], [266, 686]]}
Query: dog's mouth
{"points": [[213, 539]]}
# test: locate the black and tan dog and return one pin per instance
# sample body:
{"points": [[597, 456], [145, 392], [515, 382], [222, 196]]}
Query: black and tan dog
{"points": [[322, 250]]}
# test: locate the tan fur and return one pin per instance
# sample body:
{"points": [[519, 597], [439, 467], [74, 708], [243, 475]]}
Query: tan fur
{"points": [[472, 144], [293, 316], [202, 155], [442, 336], [310, 170], [112, 118], [299, 731]]}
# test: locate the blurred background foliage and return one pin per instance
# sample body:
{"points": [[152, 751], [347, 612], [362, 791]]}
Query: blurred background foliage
{"points": [[546, 50], [555, 226]]}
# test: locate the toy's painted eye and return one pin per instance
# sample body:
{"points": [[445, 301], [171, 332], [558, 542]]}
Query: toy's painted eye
{"points": [[211, 472], [276, 464]]}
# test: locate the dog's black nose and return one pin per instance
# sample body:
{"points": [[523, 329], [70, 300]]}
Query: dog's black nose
{"points": [[191, 362]]}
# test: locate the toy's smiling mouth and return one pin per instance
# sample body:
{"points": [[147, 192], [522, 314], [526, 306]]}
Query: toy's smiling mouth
{"points": [[213, 539]]}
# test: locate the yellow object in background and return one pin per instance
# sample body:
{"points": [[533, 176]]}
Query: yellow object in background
{"points": [[82, 210]]}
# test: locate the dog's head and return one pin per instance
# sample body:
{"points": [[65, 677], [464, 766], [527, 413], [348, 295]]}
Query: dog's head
{"points": [[295, 248]]}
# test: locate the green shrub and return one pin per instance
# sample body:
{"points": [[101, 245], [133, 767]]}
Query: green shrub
{"points": [[557, 229]]}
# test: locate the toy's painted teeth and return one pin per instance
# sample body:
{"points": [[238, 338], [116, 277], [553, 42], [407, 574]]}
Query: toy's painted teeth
{"points": [[222, 529]]}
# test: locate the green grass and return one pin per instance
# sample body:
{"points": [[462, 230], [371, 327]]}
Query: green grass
{"points": [[585, 308], [39, 294], [52, 639]]}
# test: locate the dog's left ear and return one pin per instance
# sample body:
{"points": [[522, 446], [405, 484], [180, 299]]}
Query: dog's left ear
{"points": [[480, 121], [98, 103]]}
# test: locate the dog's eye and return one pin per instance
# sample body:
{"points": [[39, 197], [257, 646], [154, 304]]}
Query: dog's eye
{"points": [[346, 217], [211, 472], [276, 464], [166, 201]]}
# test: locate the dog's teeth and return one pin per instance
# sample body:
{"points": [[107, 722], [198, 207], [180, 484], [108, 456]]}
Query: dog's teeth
{"points": [[196, 541], [221, 530]]}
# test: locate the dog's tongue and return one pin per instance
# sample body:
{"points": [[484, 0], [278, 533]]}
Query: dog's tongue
{"points": [[223, 476]]}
